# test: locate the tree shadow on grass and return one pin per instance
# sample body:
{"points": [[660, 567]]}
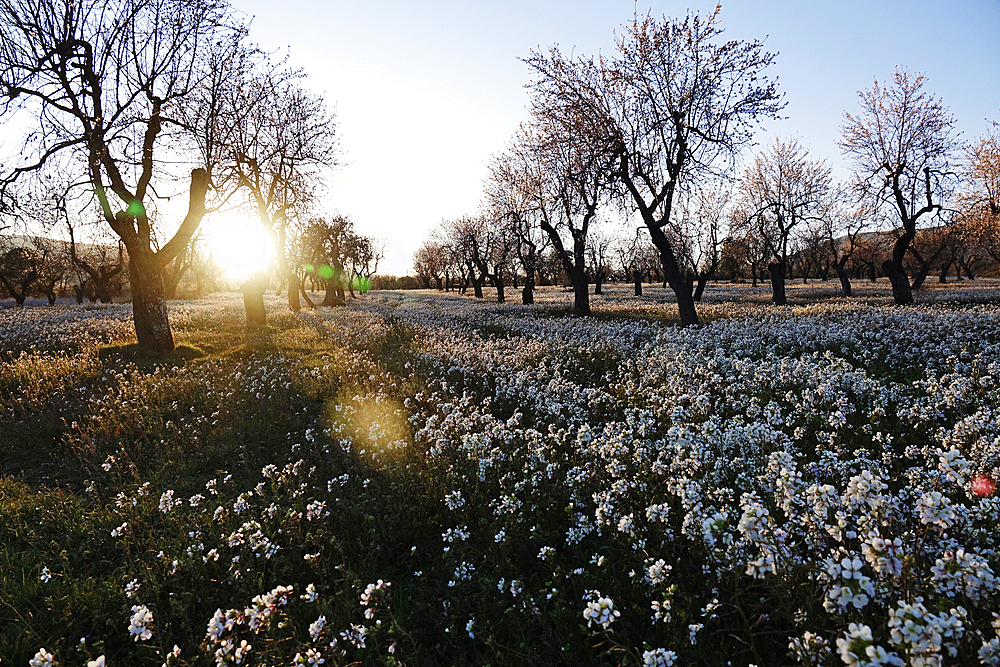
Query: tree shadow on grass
{"points": [[146, 359]]}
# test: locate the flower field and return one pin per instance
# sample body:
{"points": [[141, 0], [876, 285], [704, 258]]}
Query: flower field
{"points": [[427, 479]]}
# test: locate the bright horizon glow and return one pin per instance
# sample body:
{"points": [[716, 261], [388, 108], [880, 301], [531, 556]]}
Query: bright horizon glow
{"points": [[239, 245]]}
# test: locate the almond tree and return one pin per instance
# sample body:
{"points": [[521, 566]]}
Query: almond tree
{"points": [[980, 202], [278, 156], [901, 142], [840, 230], [513, 197], [674, 105], [103, 79], [571, 176], [781, 190]]}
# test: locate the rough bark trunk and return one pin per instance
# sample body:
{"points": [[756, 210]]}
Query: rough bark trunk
{"points": [[700, 289], [673, 276], [637, 280], [777, 271], [293, 292], [498, 284], [334, 293], [845, 281], [921, 276], [149, 307], [901, 292], [581, 295], [527, 293]]}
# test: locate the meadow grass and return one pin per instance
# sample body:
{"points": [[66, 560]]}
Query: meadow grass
{"points": [[438, 480]]}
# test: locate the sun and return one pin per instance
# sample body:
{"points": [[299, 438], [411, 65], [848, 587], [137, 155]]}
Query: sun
{"points": [[238, 244]]}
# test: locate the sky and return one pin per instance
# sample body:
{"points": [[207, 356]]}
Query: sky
{"points": [[426, 92]]}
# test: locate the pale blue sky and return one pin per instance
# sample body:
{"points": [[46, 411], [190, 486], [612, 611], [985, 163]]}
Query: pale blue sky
{"points": [[427, 91]]}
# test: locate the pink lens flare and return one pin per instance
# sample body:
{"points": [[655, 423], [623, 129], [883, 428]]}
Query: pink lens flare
{"points": [[983, 486]]}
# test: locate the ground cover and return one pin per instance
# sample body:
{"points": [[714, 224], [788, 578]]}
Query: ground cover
{"points": [[430, 479]]}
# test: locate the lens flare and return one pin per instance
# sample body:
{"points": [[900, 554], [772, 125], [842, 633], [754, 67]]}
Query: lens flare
{"points": [[982, 486]]}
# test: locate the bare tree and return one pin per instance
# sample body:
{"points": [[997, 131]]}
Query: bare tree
{"points": [[514, 198], [54, 265], [698, 232], [980, 201], [278, 157], [599, 255], [781, 190], [428, 264], [840, 228], [901, 142], [636, 257], [572, 181], [20, 267], [365, 258], [103, 79], [103, 261], [672, 105]]}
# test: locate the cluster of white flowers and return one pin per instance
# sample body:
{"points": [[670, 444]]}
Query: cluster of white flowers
{"points": [[857, 648], [140, 625], [660, 657], [600, 610], [849, 586], [42, 659], [922, 635]]}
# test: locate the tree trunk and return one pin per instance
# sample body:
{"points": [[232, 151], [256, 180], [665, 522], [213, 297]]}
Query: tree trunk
{"points": [[637, 279], [777, 271], [334, 293], [302, 292], [498, 283], [921, 275], [598, 282], [901, 292], [149, 307], [700, 289], [943, 276], [528, 294], [685, 304], [293, 292], [845, 281], [581, 295], [673, 276]]}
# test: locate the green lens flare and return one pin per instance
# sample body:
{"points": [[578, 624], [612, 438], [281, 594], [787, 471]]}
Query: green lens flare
{"points": [[325, 272], [136, 209]]}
